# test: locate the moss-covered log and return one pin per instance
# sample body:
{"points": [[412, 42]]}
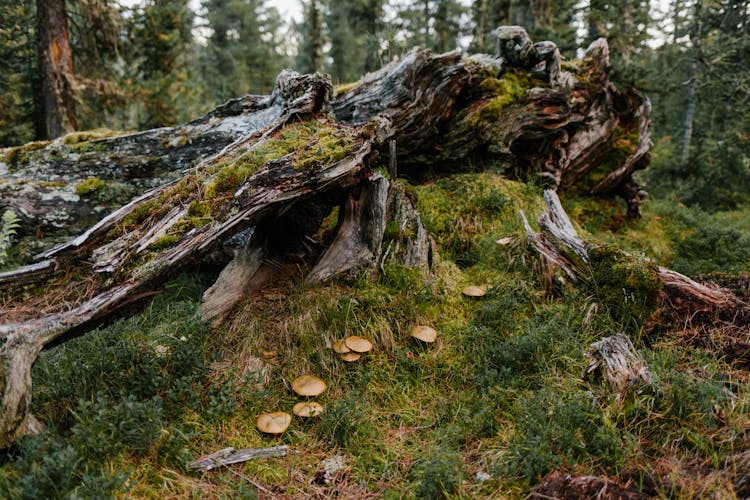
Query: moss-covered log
{"points": [[302, 153], [577, 130]]}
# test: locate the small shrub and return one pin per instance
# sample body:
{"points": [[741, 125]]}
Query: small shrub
{"points": [[555, 427], [46, 467], [105, 428], [441, 475], [344, 422]]}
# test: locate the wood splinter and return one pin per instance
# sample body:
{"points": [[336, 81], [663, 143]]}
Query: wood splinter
{"points": [[618, 359], [229, 456]]}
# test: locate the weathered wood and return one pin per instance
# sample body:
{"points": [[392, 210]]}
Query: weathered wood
{"points": [[40, 184], [358, 241], [682, 298], [229, 456], [618, 360]]}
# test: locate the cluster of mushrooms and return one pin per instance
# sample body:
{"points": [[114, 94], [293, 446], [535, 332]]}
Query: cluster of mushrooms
{"points": [[305, 385], [351, 349]]}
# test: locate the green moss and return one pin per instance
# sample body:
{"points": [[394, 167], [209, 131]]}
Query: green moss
{"points": [[333, 144], [311, 145], [345, 87], [165, 241], [20, 154], [88, 135], [90, 186], [137, 216], [510, 89], [627, 285]]}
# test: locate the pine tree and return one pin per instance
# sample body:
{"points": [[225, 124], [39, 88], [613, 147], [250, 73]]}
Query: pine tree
{"points": [[310, 49], [625, 25], [17, 44], [355, 29], [242, 54], [162, 36]]}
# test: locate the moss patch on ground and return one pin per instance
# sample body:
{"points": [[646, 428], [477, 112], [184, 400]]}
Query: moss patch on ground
{"points": [[500, 393]]}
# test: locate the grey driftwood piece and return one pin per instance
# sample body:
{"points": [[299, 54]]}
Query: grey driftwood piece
{"points": [[229, 456], [616, 359]]}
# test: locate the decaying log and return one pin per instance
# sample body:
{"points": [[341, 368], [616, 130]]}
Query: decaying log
{"points": [[284, 172], [443, 110], [45, 184], [618, 360], [229, 456]]}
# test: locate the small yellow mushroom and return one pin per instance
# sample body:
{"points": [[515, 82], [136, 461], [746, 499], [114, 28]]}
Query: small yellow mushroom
{"points": [[308, 385], [273, 423], [474, 291], [424, 333], [339, 347], [307, 409], [358, 344], [351, 357]]}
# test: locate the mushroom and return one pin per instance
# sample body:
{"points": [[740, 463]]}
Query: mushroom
{"points": [[474, 291], [308, 385], [424, 333], [339, 346], [273, 423], [358, 344], [350, 357], [307, 409]]}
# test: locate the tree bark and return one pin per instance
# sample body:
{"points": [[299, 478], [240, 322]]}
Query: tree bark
{"points": [[291, 164], [56, 109], [692, 83]]}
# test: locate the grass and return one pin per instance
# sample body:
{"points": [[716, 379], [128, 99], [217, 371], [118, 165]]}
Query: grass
{"points": [[501, 392]]}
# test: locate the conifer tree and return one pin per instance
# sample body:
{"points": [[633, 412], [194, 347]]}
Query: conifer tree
{"points": [[310, 50], [18, 71]]}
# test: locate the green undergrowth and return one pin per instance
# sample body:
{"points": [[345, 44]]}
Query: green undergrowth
{"points": [[501, 396]]}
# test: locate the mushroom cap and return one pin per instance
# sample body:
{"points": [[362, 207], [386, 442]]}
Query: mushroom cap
{"points": [[307, 409], [308, 385], [358, 344], [339, 346], [424, 333], [273, 423], [351, 357], [474, 291]]}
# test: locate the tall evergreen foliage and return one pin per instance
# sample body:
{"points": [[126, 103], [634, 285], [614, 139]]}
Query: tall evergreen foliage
{"points": [[241, 54], [17, 54]]}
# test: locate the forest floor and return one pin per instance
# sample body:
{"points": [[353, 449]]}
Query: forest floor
{"points": [[490, 410]]}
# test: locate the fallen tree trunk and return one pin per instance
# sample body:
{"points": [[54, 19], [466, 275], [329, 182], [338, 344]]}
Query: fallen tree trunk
{"points": [[444, 109], [292, 167]]}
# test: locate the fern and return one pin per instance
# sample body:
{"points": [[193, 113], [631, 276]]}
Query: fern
{"points": [[8, 226]]}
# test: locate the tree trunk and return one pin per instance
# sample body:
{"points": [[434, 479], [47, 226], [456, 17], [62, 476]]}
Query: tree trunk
{"points": [[300, 154], [692, 84], [56, 109]]}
